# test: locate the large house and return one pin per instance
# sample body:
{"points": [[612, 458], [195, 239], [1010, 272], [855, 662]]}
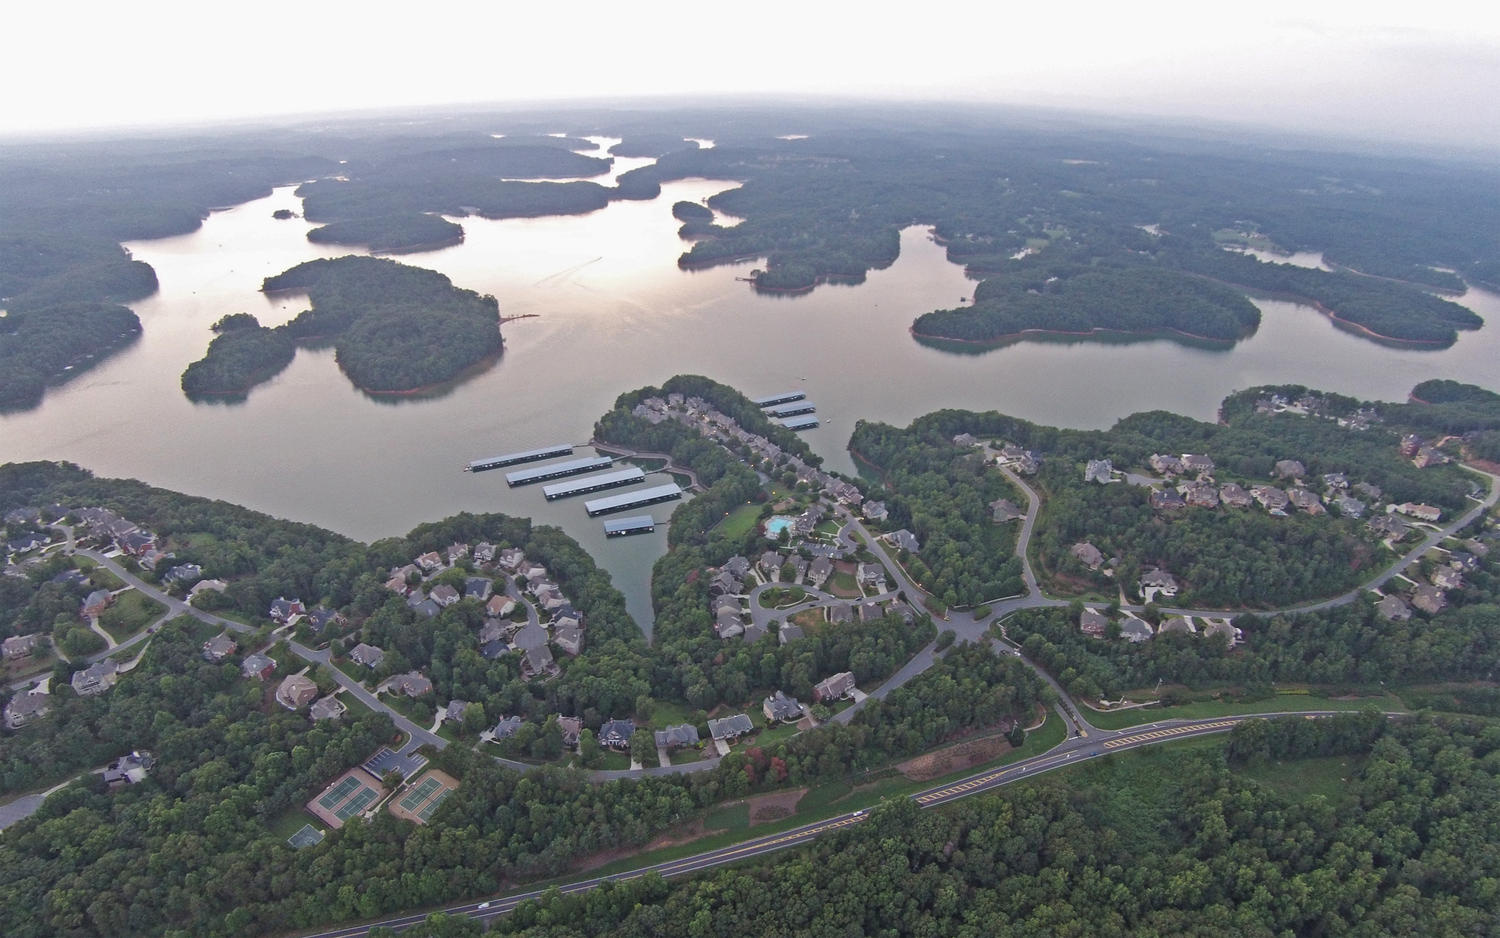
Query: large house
{"points": [[837, 687], [1087, 554], [96, 678], [283, 610], [258, 666], [731, 727], [1160, 580], [367, 655], [25, 707], [779, 708], [296, 691], [129, 769], [19, 646], [1098, 470], [615, 734], [412, 684], [219, 647], [677, 737]]}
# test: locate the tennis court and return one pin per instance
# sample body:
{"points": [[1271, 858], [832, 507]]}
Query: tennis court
{"points": [[419, 803], [306, 836], [350, 794]]}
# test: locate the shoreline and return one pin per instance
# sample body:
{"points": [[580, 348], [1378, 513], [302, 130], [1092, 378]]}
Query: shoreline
{"points": [[1335, 317], [1165, 332]]}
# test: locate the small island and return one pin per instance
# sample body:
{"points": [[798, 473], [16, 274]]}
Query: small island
{"points": [[282, 214], [395, 329]]}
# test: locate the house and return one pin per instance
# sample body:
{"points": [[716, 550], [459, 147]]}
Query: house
{"points": [[1447, 578], [258, 666], [837, 687], [296, 691], [1271, 498], [840, 614], [397, 584], [137, 542], [412, 684], [769, 566], [571, 728], [19, 646], [1165, 464], [1411, 444], [96, 602], [1098, 470], [1135, 630], [507, 727], [1003, 510], [789, 633], [723, 583], [538, 663], [219, 647], [129, 769], [1335, 481], [726, 604], [367, 655], [871, 575], [415, 598], [903, 540], [444, 595], [321, 618], [874, 511], [96, 678], [184, 574], [737, 567], [551, 599], [25, 707], [677, 737], [731, 727], [1197, 462], [203, 586], [819, 571], [283, 610], [493, 630], [846, 493], [1349, 506], [499, 605], [779, 708], [478, 587], [799, 568], [1371, 492], [1420, 512], [1390, 526], [1093, 622], [1306, 499], [728, 625], [1159, 580], [484, 552], [1234, 496], [327, 708], [1087, 554], [510, 559], [615, 734], [455, 710], [430, 562], [1429, 599], [965, 439], [1167, 500], [1393, 607], [869, 612], [1429, 456], [456, 552], [427, 608], [569, 639], [1224, 628], [1200, 495], [1177, 625], [1290, 469], [494, 648]]}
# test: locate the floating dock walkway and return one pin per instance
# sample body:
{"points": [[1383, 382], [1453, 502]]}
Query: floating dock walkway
{"points": [[608, 480], [558, 470], [530, 455], [627, 500], [636, 524], [773, 399]]}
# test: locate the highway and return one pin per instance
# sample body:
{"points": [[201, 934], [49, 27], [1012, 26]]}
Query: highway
{"points": [[1072, 751]]}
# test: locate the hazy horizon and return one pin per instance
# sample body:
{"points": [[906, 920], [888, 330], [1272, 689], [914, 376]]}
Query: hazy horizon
{"points": [[1358, 71]]}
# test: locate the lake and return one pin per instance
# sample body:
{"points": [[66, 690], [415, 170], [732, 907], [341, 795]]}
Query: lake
{"points": [[613, 312]]}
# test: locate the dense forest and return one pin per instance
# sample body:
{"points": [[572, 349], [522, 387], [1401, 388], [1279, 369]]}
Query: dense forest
{"points": [[394, 328], [1151, 845], [1223, 558], [391, 233], [39, 346]]}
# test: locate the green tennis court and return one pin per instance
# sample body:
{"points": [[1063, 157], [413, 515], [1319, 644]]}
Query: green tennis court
{"points": [[339, 792], [414, 798], [306, 836], [358, 803]]}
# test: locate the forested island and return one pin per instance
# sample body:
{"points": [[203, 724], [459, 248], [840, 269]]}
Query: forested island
{"points": [[394, 329]]}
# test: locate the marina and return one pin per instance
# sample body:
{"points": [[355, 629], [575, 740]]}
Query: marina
{"points": [[608, 480], [530, 455], [637, 499], [558, 470]]}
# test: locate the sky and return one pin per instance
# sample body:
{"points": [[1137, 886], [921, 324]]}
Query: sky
{"points": [[1415, 72]]}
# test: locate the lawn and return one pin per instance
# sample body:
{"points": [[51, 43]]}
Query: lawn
{"points": [[843, 584], [670, 713], [102, 579], [129, 613], [740, 521], [291, 822], [733, 817], [615, 760], [1298, 779], [782, 597], [1281, 703]]}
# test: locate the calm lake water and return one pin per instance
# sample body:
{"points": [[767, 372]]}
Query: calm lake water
{"points": [[613, 312]]}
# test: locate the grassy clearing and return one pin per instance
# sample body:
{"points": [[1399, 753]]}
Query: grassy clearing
{"points": [[291, 822], [102, 579], [732, 817], [1299, 779], [740, 521], [130, 612], [615, 760], [1281, 703]]}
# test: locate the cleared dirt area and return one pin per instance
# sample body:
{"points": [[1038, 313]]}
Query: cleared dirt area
{"points": [[965, 755], [775, 806], [687, 834]]}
